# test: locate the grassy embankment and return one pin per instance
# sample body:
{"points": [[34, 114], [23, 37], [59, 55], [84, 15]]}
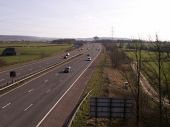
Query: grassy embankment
{"points": [[106, 82], [95, 86], [32, 51]]}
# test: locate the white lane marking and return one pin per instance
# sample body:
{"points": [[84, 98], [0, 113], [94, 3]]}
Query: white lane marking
{"points": [[29, 81], [46, 81], [48, 90], [2, 80], [6, 105], [65, 93], [33, 78], [30, 90], [28, 107]]}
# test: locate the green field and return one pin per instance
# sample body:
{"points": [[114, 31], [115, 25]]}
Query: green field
{"points": [[94, 86], [146, 55], [150, 68], [17, 44], [31, 52]]}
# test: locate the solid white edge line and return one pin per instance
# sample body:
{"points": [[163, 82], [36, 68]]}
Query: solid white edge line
{"points": [[39, 123]]}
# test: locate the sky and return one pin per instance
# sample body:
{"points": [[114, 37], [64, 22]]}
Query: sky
{"points": [[86, 18]]}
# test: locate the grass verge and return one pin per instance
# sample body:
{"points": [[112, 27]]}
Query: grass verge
{"points": [[95, 86]]}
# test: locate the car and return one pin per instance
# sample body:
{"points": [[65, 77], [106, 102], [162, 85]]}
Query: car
{"points": [[67, 69], [88, 54], [89, 58], [67, 54]]}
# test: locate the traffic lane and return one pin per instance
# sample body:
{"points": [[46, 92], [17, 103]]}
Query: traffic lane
{"points": [[31, 68], [39, 82], [23, 72], [43, 80], [41, 60], [41, 97], [32, 63], [44, 101], [13, 114], [66, 106]]}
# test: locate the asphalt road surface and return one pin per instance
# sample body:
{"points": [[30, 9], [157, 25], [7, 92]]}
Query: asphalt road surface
{"points": [[27, 105], [25, 70]]}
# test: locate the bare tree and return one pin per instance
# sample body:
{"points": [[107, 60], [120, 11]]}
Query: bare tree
{"points": [[138, 57], [158, 48]]}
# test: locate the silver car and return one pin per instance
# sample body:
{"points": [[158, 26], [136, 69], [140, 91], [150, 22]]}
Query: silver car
{"points": [[67, 69], [89, 58]]}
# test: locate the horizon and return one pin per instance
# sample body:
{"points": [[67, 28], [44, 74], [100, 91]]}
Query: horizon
{"points": [[85, 19]]}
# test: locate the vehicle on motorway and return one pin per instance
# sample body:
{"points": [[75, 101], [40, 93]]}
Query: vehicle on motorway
{"points": [[89, 58], [67, 54], [67, 69], [65, 57]]}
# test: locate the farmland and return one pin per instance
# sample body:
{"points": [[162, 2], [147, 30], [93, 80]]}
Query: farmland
{"points": [[150, 67]]}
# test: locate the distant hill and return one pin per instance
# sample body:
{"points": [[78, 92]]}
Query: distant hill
{"points": [[23, 38], [35, 38]]}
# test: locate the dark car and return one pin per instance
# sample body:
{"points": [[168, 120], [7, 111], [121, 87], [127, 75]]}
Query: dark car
{"points": [[67, 69], [65, 57], [88, 54]]}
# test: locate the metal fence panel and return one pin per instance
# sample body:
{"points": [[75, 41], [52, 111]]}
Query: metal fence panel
{"points": [[103, 107]]}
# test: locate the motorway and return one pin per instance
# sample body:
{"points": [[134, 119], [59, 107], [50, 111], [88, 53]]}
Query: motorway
{"points": [[25, 70], [27, 105]]}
